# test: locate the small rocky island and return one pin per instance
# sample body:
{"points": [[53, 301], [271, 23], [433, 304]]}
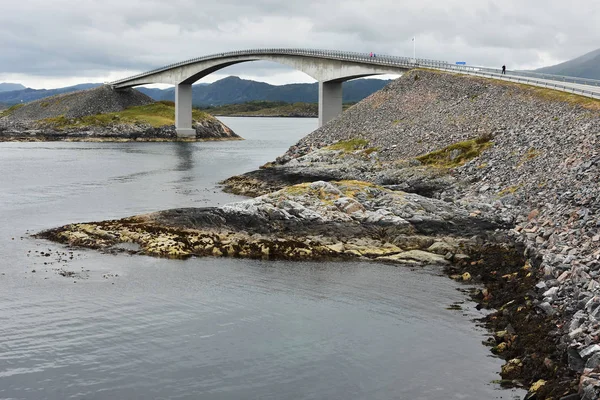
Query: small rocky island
{"points": [[494, 182], [103, 114]]}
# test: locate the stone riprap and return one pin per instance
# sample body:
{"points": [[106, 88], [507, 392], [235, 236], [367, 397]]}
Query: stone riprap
{"points": [[36, 121], [539, 175]]}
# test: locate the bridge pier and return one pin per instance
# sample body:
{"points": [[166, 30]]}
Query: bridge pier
{"points": [[330, 101], [183, 111]]}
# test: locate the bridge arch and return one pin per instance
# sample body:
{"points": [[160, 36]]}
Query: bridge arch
{"points": [[329, 68]]}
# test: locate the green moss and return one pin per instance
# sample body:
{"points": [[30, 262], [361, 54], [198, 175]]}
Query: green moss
{"points": [[296, 190], [349, 145], [156, 114], [456, 154], [351, 188], [304, 189]]}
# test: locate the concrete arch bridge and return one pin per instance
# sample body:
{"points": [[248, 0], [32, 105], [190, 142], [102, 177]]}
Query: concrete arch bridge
{"points": [[329, 68]]}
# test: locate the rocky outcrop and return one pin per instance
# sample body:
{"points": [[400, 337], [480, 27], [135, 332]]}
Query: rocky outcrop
{"points": [[347, 219]]}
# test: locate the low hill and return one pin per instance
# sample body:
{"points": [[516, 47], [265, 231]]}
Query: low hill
{"points": [[586, 66], [230, 90], [26, 95], [266, 109], [99, 100], [234, 90], [102, 113], [9, 87]]}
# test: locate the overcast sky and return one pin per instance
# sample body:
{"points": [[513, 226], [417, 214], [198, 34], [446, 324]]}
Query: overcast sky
{"points": [[54, 43]]}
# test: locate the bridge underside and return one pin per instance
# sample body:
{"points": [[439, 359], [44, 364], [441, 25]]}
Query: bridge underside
{"points": [[329, 73]]}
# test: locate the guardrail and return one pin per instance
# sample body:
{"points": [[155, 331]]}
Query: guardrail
{"points": [[545, 80], [548, 83]]}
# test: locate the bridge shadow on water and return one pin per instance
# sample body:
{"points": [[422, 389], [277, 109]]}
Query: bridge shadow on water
{"points": [[185, 156]]}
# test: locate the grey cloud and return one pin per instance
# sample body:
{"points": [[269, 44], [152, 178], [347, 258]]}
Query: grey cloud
{"points": [[94, 37]]}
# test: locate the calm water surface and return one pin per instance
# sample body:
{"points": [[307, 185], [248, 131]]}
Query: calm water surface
{"points": [[132, 327]]}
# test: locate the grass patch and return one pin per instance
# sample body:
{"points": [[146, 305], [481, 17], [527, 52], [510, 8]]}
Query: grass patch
{"points": [[571, 98], [551, 94], [530, 154], [10, 110], [268, 108], [349, 145], [367, 152], [509, 190], [156, 114], [456, 154]]}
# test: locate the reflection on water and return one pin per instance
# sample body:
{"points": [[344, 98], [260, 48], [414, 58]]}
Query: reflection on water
{"points": [[184, 151], [147, 328]]}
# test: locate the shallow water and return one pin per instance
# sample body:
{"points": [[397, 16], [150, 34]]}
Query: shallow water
{"points": [[131, 327]]}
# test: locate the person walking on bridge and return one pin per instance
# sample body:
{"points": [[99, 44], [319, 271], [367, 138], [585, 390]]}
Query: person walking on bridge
{"points": [[504, 70]]}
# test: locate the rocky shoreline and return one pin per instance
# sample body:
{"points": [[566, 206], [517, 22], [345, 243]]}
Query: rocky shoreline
{"points": [[291, 115], [493, 181], [117, 132]]}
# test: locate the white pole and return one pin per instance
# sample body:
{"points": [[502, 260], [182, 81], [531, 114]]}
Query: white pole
{"points": [[414, 49]]}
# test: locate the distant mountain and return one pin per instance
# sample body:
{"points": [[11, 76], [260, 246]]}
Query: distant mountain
{"points": [[26, 95], [9, 87], [586, 66], [233, 90], [230, 90]]}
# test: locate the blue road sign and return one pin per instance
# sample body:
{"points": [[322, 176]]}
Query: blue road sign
{"points": [[461, 63]]}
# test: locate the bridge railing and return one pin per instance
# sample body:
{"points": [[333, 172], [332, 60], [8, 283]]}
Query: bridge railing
{"points": [[497, 74], [531, 74], [395, 61], [330, 54]]}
